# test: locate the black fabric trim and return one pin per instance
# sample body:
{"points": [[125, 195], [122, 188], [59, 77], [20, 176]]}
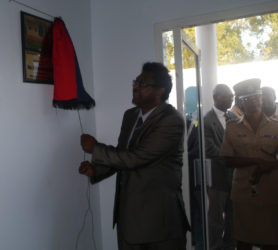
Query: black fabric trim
{"points": [[73, 104]]}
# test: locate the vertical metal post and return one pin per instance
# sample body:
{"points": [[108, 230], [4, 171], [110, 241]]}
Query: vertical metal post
{"points": [[179, 69], [202, 157], [180, 107]]}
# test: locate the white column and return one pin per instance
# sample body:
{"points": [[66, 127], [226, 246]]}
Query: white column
{"points": [[206, 40]]}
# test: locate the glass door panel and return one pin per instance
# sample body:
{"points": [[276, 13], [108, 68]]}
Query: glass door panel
{"points": [[182, 59]]}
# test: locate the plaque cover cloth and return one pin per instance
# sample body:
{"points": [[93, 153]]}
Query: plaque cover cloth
{"points": [[69, 92]]}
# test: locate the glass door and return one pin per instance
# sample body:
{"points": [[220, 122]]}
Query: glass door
{"points": [[182, 58]]}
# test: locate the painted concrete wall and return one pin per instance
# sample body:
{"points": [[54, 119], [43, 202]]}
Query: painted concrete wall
{"points": [[42, 196], [123, 38]]}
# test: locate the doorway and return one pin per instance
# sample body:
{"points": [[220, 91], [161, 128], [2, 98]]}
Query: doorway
{"points": [[178, 50]]}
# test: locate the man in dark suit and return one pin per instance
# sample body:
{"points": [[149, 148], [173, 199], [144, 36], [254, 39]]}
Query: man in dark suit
{"points": [[149, 209], [220, 206]]}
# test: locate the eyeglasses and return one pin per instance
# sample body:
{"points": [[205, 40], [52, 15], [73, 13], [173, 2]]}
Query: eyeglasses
{"points": [[142, 84]]}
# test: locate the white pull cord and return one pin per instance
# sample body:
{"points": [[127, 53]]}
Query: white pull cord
{"points": [[88, 197]]}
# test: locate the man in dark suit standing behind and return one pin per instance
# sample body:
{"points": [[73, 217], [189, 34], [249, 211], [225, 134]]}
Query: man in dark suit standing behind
{"points": [[149, 209], [220, 206]]}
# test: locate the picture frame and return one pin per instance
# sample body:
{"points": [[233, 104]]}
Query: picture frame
{"points": [[36, 37]]}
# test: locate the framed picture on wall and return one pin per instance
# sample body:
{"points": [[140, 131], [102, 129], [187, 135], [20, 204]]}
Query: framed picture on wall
{"points": [[36, 36]]}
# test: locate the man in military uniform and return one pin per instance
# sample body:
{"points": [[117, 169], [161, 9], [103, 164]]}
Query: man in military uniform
{"points": [[251, 147]]}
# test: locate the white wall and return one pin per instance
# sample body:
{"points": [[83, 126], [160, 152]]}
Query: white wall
{"points": [[42, 196], [123, 38]]}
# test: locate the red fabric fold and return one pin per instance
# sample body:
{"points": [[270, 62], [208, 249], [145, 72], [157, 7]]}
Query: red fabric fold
{"points": [[63, 56]]}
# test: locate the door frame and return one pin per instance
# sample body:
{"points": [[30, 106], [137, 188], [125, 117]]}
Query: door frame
{"points": [[210, 17], [181, 39]]}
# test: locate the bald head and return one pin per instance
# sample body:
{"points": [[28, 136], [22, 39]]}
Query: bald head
{"points": [[222, 97]]}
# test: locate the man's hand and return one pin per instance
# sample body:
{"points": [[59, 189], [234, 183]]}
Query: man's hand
{"points": [[88, 143], [263, 167], [86, 168]]}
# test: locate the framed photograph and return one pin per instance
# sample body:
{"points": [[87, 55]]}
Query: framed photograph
{"points": [[36, 35]]}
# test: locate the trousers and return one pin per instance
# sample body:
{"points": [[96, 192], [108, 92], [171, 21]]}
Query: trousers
{"points": [[220, 220], [173, 244]]}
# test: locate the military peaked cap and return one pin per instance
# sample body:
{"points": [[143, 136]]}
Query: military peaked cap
{"points": [[249, 87]]}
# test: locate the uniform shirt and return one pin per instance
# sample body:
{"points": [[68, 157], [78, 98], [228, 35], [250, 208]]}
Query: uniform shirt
{"points": [[241, 141]]}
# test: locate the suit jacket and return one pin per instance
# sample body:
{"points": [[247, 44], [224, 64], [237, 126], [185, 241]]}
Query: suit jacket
{"points": [[214, 134], [148, 201]]}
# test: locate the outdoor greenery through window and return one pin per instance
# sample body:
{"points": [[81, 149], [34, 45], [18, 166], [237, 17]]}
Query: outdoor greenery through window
{"points": [[238, 41]]}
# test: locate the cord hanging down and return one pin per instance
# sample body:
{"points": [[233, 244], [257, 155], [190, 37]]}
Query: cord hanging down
{"points": [[89, 209], [81, 127], [25, 5]]}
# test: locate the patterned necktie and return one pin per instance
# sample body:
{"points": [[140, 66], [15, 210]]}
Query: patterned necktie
{"points": [[135, 132]]}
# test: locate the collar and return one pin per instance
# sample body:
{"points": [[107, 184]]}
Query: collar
{"points": [[236, 110], [264, 120], [145, 116], [218, 111]]}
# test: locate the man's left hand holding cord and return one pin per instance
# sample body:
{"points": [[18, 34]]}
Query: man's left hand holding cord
{"points": [[86, 168], [88, 143]]}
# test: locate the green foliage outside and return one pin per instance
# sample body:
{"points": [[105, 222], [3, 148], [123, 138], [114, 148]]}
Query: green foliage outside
{"points": [[265, 28], [238, 41], [230, 47], [188, 57]]}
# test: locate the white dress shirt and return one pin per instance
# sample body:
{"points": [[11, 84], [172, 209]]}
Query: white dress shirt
{"points": [[144, 117], [221, 116]]}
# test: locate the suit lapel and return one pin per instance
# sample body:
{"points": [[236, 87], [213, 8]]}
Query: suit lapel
{"points": [[128, 125], [131, 119], [153, 117]]}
